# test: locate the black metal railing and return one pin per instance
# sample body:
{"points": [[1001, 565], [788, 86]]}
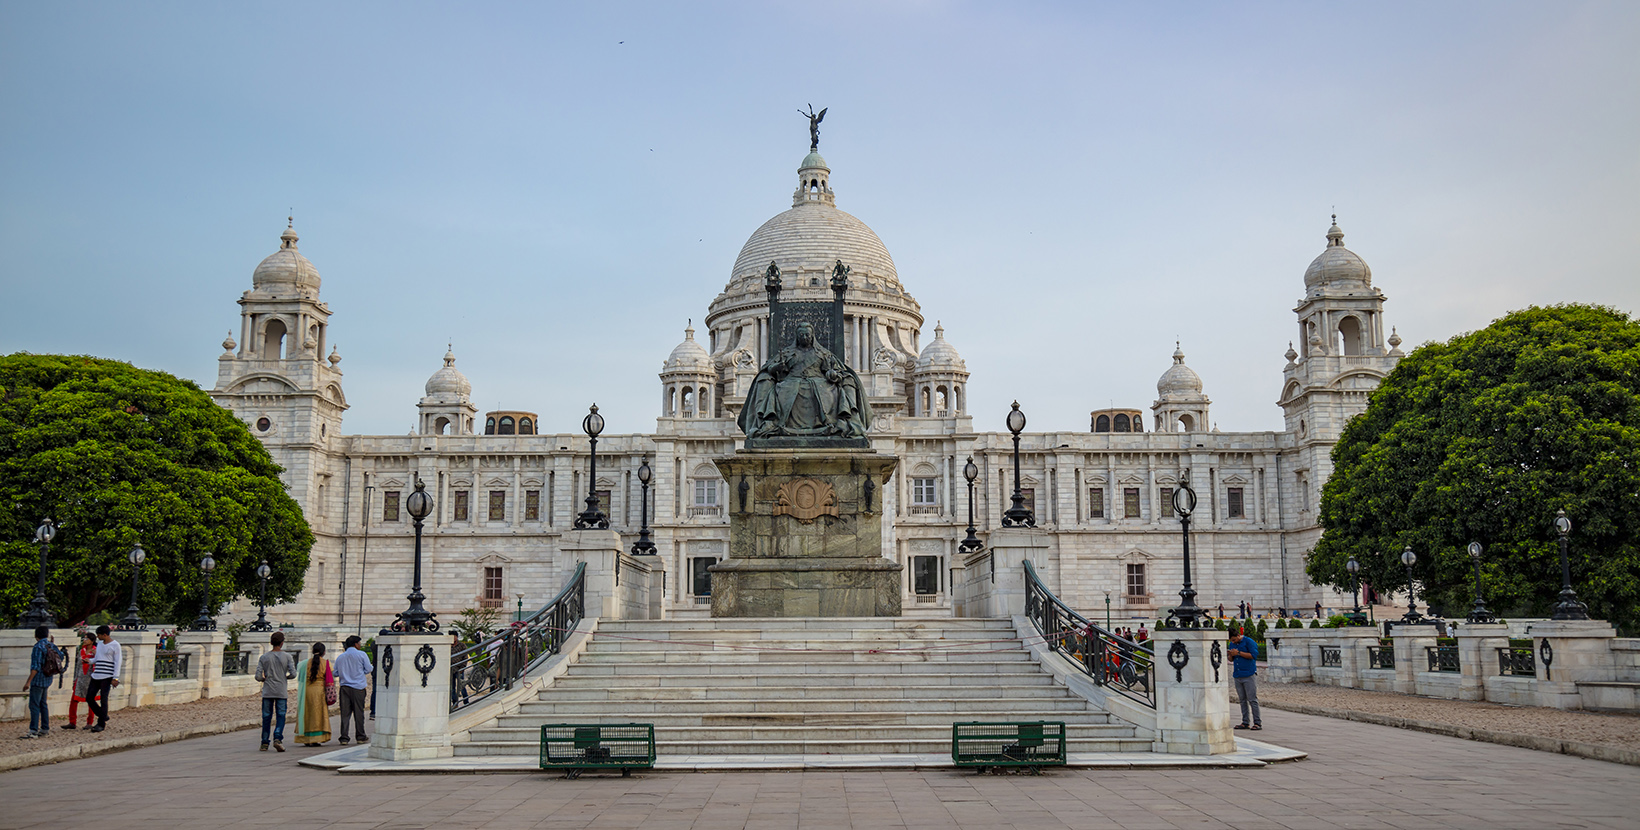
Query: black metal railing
{"points": [[1517, 661], [170, 665], [236, 663], [1442, 658], [498, 661], [1380, 657], [1121, 665], [1331, 657]]}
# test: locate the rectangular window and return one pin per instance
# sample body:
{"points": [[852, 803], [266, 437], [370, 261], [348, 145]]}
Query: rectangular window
{"points": [[1096, 503], [498, 505], [1136, 580], [706, 492], [925, 574], [1236, 510], [390, 506], [924, 491], [492, 588], [1167, 502], [1030, 498], [700, 579], [463, 501], [605, 502], [1130, 503], [532, 505]]}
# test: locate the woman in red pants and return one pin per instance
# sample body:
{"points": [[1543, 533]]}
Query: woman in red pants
{"points": [[82, 679]]}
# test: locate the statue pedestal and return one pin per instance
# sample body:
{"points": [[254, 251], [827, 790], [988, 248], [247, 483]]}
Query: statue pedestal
{"points": [[806, 536]]}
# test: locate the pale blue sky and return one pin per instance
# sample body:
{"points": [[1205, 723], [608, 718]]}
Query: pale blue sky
{"points": [[1067, 186]]}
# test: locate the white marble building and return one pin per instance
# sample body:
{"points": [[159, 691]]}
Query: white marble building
{"points": [[505, 492]]}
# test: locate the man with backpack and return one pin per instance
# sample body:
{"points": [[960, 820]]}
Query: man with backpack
{"points": [[45, 662]]}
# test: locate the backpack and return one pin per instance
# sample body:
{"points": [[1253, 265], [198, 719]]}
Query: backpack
{"points": [[51, 663]]}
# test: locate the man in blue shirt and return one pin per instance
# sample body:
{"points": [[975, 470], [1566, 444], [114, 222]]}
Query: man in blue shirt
{"points": [[353, 674], [39, 682], [1244, 670]]}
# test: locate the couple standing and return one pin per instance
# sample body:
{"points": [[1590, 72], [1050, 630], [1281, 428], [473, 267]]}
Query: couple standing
{"points": [[319, 689]]}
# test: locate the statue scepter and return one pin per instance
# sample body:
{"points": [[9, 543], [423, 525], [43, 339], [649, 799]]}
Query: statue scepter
{"points": [[814, 126]]}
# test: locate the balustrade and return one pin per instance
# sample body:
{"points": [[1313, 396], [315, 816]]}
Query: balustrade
{"points": [[497, 662], [170, 665], [1116, 663], [1517, 661], [1331, 657], [236, 663], [1442, 658], [1381, 657]]}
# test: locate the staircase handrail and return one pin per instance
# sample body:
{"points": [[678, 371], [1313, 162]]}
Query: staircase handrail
{"points": [[1124, 666], [502, 659]]}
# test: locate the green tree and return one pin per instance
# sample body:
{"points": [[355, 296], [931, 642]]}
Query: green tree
{"points": [[119, 455], [1483, 438]]}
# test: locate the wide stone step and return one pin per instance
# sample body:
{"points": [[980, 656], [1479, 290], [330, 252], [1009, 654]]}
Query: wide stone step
{"points": [[619, 665], [799, 719], [807, 747], [806, 624], [829, 656], [927, 732], [633, 709], [1010, 677], [879, 692]]}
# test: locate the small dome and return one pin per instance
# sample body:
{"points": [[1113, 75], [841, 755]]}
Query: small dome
{"points": [[286, 269], [940, 355], [1337, 265], [689, 356], [813, 159], [1179, 380], [449, 380]]}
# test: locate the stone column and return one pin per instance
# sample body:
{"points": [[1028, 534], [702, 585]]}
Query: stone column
{"points": [[1478, 657], [136, 688], [204, 650], [1010, 547], [1193, 701], [1410, 642], [412, 709], [600, 549], [1352, 652], [1578, 650]]}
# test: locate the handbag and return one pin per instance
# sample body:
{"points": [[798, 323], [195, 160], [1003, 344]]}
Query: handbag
{"points": [[330, 687]]}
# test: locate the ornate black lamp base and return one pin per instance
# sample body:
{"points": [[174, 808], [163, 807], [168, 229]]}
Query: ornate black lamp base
{"points": [[39, 613], [1480, 616], [1018, 515], [644, 546], [415, 619], [1569, 608], [203, 623], [592, 518], [972, 544], [260, 623], [132, 621]]}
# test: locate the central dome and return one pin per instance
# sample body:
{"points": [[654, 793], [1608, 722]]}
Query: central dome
{"points": [[811, 237]]}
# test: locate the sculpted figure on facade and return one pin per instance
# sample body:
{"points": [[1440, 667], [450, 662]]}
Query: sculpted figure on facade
{"points": [[806, 390]]}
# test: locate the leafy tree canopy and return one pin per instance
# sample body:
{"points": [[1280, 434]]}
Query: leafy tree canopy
{"points": [[119, 455], [1483, 438]]}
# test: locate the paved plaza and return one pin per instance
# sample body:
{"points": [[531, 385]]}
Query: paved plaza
{"points": [[1358, 776]]}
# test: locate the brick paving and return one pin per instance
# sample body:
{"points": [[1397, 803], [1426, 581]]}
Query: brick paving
{"points": [[1358, 776]]}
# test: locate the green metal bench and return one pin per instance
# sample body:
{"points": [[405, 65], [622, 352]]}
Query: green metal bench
{"points": [[578, 747], [1030, 744]]}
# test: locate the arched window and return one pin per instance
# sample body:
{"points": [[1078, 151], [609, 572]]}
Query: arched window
{"points": [[925, 402], [1187, 423], [1102, 424], [688, 402], [506, 426], [1349, 331], [942, 401], [489, 426], [273, 340], [526, 426], [1121, 424], [703, 403], [442, 427], [956, 391]]}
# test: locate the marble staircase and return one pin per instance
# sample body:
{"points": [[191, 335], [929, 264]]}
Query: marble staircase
{"points": [[804, 686]]}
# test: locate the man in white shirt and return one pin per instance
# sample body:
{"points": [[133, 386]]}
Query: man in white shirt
{"points": [[353, 675], [105, 674]]}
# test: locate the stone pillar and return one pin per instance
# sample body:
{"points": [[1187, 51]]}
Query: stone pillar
{"points": [[1578, 650], [204, 650], [1010, 547], [1410, 642], [1352, 652], [600, 549], [1478, 657], [1288, 656], [412, 709], [657, 586], [1192, 702], [136, 688]]}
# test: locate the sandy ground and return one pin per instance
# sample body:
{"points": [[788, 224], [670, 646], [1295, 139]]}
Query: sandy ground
{"points": [[125, 723]]}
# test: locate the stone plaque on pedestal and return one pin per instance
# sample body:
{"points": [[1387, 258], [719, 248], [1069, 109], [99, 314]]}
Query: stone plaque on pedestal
{"points": [[806, 536]]}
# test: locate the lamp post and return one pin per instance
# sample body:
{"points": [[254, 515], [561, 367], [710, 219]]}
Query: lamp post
{"points": [[204, 622], [1018, 515], [593, 516], [520, 608], [1568, 608], [972, 544], [644, 546], [1184, 503], [39, 611], [1107, 610], [416, 618], [132, 621], [1478, 614], [1408, 558], [1354, 569], [262, 624]]}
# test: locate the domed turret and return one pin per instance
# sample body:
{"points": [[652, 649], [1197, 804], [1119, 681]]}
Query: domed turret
{"points": [[940, 354], [286, 269], [447, 409], [1180, 406], [449, 380], [1337, 266], [1179, 380], [689, 355], [688, 380], [940, 379]]}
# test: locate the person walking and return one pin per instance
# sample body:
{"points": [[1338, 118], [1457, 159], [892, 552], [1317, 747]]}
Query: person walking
{"points": [[45, 662], [352, 673], [83, 658], [1244, 661], [106, 665], [274, 670], [317, 690]]}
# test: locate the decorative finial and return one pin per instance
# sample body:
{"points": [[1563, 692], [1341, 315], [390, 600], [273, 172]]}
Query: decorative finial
{"points": [[227, 343]]}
